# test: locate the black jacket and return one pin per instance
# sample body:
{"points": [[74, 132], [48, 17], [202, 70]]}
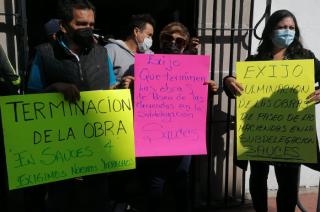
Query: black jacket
{"points": [[88, 71]]}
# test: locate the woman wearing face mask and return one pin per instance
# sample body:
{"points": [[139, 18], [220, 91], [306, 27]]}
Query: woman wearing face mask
{"points": [[159, 172], [280, 41]]}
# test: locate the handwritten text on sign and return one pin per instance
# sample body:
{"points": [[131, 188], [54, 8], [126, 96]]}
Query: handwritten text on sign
{"points": [[274, 122], [48, 139], [170, 104]]}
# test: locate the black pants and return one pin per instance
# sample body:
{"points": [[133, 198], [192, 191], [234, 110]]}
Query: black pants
{"points": [[87, 195], [124, 188], [167, 174], [287, 178]]}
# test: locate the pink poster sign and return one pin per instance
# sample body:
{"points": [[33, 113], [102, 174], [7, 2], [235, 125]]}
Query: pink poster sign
{"points": [[170, 104]]}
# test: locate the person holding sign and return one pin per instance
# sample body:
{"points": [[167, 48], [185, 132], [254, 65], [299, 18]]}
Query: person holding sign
{"points": [[280, 41], [73, 62], [70, 59], [160, 172]]}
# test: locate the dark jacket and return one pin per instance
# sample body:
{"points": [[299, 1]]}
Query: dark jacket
{"points": [[88, 71], [305, 54]]}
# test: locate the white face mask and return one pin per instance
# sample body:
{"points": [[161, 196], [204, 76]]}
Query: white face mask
{"points": [[146, 45]]}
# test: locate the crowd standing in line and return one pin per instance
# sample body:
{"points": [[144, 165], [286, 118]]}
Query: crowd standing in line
{"points": [[72, 61]]}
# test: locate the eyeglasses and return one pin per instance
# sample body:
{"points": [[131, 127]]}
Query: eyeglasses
{"points": [[180, 42]]}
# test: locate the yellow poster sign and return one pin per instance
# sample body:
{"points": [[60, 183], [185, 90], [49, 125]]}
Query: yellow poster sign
{"points": [[274, 121], [48, 139]]}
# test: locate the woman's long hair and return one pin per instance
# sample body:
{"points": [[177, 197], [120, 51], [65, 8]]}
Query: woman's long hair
{"points": [[265, 48]]}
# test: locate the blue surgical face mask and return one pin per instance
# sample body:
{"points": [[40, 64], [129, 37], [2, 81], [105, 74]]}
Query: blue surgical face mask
{"points": [[282, 38]]}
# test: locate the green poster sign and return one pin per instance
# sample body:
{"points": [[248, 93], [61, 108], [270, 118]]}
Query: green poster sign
{"points": [[274, 120], [48, 139]]}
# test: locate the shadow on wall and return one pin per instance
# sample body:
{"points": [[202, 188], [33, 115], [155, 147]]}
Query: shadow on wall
{"points": [[215, 185]]}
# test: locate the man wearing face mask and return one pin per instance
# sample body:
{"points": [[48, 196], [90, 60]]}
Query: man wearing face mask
{"points": [[138, 40], [71, 63]]}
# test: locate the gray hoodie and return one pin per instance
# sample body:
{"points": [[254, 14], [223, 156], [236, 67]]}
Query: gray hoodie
{"points": [[121, 57]]}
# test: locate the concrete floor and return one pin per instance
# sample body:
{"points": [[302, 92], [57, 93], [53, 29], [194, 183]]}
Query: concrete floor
{"points": [[308, 198]]}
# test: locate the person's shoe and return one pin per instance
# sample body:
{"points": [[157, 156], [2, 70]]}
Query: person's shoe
{"points": [[129, 208]]}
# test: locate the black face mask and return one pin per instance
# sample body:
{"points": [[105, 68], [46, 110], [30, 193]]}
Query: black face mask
{"points": [[83, 37], [170, 48]]}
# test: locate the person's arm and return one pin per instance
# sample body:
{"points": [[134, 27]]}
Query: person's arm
{"points": [[127, 79], [317, 70], [70, 91], [212, 85], [230, 84], [232, 87], [315, 96], [193, 46], [35, 84]]}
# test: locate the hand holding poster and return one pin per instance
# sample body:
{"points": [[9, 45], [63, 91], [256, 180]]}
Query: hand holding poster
{"points": [[170, 104], [274, 121], [48, 139]]}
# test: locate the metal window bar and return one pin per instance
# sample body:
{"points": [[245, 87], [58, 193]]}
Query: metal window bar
{"points": [[249, 53], [10, 14], [231, 62], [222, 39], [22, 40], [210, 110], [16, 25]]}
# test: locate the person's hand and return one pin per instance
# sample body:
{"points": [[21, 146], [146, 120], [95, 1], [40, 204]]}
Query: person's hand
{"points": [[69, 91], [234, 86], [314, 97], [193, 45], [126, 81], [212, 85]]}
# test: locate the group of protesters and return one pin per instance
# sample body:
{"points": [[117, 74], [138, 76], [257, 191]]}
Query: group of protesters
{"points": [[73, 61]]}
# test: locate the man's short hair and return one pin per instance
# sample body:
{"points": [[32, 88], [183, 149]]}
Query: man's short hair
{"points": [[65, 8], [140, 22]]}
